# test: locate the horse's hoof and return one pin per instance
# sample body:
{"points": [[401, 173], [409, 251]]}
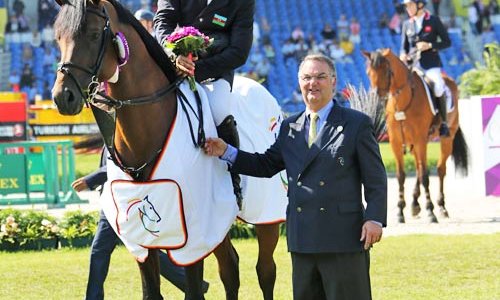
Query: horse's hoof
{"points": [[415, 210], [433, 219], [401, 219], [444, 213]]}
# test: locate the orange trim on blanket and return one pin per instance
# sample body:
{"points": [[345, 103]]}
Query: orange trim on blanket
{"points": [[279, 221], [165, 145]]}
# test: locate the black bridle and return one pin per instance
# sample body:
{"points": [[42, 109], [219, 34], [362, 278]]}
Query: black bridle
{"points": [[89, 94]]}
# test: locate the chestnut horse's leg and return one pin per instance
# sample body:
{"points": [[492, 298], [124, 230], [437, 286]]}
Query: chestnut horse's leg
{"points": [[420, 152], [415, 206], [194, 280], [150, 276], [397, 150], [267, 236], [228, 260], [446, 149]]}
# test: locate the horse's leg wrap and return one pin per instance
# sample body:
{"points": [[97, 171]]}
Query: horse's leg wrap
{"points": [[443, 130], [228, 132]]}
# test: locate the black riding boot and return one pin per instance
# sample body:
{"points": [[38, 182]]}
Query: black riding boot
{"points": [[227, 131], [443, 129]]}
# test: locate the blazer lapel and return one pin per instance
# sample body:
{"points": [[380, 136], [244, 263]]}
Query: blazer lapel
{"points": [[333, 128], [297, 133]]}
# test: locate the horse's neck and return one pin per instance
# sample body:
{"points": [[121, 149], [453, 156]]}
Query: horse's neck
{"points": [[401, 84], [141, 130]]}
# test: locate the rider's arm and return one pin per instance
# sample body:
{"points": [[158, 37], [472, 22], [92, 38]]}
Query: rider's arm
{"points": [[166, 19], [444, 40], [236, 53]]}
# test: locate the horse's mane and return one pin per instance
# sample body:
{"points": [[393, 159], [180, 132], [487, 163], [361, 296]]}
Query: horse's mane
{"points": [[71, 21]]}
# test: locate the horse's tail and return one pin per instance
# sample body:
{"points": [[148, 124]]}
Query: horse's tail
{"points": [[460, 153]]}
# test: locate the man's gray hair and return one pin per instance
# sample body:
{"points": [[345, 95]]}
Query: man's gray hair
{"points": [[321, 58]]}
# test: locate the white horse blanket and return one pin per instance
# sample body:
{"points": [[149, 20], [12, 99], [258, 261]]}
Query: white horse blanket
{"points": [[188, 205]]}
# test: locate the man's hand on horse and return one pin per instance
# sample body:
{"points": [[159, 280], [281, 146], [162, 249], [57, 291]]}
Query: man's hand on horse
{"points": [[371, 233], [215, 147], [185, 65], [424, 46]]}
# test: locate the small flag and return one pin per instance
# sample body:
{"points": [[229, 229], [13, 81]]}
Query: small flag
{"points": [[219, 20]]}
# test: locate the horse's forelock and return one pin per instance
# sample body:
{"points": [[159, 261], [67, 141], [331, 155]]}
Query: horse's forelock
{"points": [[375, 58], [71, 18]]}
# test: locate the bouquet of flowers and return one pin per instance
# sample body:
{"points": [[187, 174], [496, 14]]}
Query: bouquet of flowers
{"points": [[187, 41]]}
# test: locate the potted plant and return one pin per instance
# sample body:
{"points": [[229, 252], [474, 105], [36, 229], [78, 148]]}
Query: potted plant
{"points": [[78, 228]]}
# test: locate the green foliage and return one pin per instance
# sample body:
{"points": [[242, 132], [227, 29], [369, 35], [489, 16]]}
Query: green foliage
{"points": [[20, 227], [483, 79], [240, 230], [77, 224]]}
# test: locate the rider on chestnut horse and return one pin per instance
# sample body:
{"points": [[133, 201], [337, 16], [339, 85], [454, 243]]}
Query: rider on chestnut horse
{"points": [[420, 45]]}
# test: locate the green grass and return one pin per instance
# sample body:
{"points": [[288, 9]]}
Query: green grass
{"points": [[406, 267], [86, 163]]}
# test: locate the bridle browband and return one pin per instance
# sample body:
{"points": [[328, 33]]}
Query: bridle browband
{"points": [[93, 89]]}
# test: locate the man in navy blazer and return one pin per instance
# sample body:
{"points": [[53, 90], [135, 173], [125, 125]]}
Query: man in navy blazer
{"points": [[329, 230]]}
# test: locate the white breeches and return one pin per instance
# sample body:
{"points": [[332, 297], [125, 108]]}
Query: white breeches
{"points": [[434, 74], [219, 97]]}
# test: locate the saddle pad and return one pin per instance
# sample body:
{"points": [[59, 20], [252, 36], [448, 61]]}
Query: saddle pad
{"points": [[150, 214], [447, 92]]}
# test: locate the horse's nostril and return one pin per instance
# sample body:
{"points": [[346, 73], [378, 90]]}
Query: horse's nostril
{"points": [[68, 95]]}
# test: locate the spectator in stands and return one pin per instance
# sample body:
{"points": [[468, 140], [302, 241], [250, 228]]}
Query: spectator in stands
{"points": [[36, 39], [46, 13], [32, 92], [27, 53], [256, 33], [301, 50], [49, 59], [476, 16], [347, 46], [395, 24], [266, 31], [288, 50], [398, 7], [46, 93], [255, 56], [383, 22], [488, 36], [262, 69], [328, 33], [355, 29], [493, 7], [342, 26], [335, 52], [27, 77], [145, 16], [297, 34], [14, 81], [18, 7], [269, 52], [48, 35], [423, 35], [435, 6], [312, 45]]}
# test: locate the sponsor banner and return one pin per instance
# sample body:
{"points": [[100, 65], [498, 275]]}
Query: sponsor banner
{"points": [[41, 130], [490, 107], [13, 131]]}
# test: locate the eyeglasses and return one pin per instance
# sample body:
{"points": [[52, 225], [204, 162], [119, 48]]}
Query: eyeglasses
{"points": [[309, 78]]}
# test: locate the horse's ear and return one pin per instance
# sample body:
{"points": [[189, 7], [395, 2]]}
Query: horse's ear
{"points": [[365, 54], [60, 2], [385, 51]]}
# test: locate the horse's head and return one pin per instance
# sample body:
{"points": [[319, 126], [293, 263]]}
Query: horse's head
{"points": [[378, 69], [84, 34]]}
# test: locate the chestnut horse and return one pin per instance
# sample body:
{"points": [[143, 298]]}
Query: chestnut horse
{"points": [[92, 53], [411, 123]]}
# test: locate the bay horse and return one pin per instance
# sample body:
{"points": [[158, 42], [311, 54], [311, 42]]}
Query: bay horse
{"points": [[96, 39], [411, 123]]}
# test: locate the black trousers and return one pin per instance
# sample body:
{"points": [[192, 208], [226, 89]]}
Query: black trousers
{"points": [[332, 276]]}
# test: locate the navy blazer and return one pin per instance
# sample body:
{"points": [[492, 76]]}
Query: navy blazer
{"points": [[325, 212], [229, 22], [432, 29]]}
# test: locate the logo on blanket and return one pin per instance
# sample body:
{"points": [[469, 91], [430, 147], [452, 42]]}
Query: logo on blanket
{"points": [[148, 214]]}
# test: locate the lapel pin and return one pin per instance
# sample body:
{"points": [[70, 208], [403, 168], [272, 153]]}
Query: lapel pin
{"points": [[340, 128], [341, 161]]}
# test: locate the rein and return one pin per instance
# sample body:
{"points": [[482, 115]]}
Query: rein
{"points": [[107, 122]]}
